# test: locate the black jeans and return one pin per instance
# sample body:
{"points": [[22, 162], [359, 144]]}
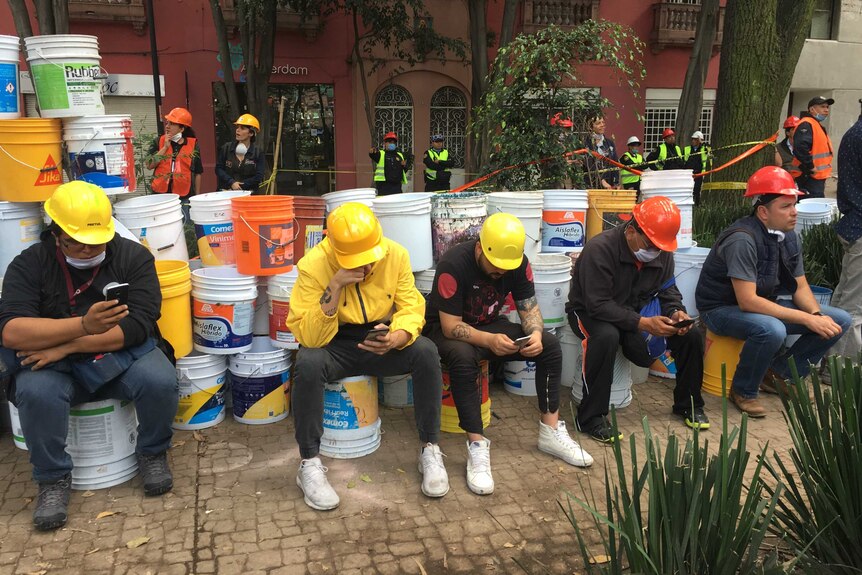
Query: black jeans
{"points": [[387, 189], [602, 339], [462, 359], [341, 358], [814, 188]]}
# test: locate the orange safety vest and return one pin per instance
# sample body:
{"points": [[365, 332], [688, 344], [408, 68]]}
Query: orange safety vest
{"points": [[821, 152], [175, 169]]}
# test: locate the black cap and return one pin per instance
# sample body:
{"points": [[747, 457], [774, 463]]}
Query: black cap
{"points": [[817, 100]]}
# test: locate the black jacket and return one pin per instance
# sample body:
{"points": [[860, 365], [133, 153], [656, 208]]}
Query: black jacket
{"points": [[251, 171], [593, 165], [673, 161], [393, 171]]}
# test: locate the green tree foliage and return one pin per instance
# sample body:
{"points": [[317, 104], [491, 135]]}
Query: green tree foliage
{"points": [[535, 77]]}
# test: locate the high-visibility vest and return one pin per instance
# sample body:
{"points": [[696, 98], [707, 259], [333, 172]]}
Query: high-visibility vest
{"points": [[380, 170], [177, 170], [821, 152], [704, 155], [435, 156], [626, 177], [662, 154]]}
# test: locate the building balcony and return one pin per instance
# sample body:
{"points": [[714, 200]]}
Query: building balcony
{"points": [[287, 19], [675, 25], [539, 14], [121, 11]]}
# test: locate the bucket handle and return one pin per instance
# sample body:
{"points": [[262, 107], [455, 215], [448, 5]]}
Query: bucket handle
{"points": [[525, 232], [155, 251], [249, 376], [200, 389], [34, 168], [50, 61], [293, 223], [599, 215]]}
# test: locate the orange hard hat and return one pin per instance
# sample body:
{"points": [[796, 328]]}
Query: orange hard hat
{"points": [[791, 122], [390, 136], [659, 218], [771, 180], [179, 116], [566, 123], [667, 132]]}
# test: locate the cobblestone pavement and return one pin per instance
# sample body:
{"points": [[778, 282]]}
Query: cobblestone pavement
{"points": [[235, 507]]}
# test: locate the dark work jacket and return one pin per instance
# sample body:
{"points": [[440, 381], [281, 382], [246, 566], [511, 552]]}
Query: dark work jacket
{"points": [[392, 168], [775, 264], [786, 154], [607, 285], [594, 165], [251, 171], [673, 161]]}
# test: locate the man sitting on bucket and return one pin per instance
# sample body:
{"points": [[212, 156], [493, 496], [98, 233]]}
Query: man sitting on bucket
{"points": [[351, 283]]}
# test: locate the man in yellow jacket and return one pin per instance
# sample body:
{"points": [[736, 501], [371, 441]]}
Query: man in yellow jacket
{"points": [[355, 310]]}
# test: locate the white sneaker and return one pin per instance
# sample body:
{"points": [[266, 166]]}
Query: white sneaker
{"points": [[311, 479], [560, 444], [435, 480], [479, 478]]}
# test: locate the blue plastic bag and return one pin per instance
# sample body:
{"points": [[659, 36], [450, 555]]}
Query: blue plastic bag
{"points": [[656, 344]]}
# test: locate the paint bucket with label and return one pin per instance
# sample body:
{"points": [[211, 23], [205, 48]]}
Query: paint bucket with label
{"points": [[278, 289], [456, 218], [424, 280], [20, 226], [351, 422], [621, 385], [406, 219], [678, 186], [102, 439], [449, 421], [608, 209], [719, 349], [17, 431], [564, 220], [157, 221], [211, 214], [551, 276], [223, 310], [31, 156], [664, 366], [572, 352], [259, 383], [67, 76], [10, 99], [101, 151], [362, 195], [397, 390], [519, 377], [175, 322], [310, 220], [527, 207], [264, 234], [201, 379]]}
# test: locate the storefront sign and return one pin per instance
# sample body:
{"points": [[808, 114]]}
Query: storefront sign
{"points": [[288, 70]]}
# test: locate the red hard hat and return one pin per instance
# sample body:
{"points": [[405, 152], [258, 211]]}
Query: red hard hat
{"points": [[179, 116], [659, 219], [771, 180], [667, 132], [566, 123], [390, 136], [791, 122]]}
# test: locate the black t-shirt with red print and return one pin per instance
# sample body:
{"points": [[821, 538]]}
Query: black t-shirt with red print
{"points": [[462, 289]]}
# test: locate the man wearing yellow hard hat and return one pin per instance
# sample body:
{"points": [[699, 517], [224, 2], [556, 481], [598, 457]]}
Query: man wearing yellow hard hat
{"points": [[356, 311], [471, 283], [67, 342], [241, 164]]}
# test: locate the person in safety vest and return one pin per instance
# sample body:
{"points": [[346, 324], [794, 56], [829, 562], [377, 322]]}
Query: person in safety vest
{"points": [[667, 155], [390, 166], [618, 274], [241, 164], [632, 157], [599, 174], [812, 149], [463, 318], [698, 158], [754, 260], [65, 342], [784, 148], [175, 157], [437, 163], [356, 311]]}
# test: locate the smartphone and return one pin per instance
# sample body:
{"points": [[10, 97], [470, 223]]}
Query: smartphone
{"points": [[684, 323], [117, 291], [376, 333], [522, 341]]}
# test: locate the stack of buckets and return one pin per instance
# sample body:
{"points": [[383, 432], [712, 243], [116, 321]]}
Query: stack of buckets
{"points": [[157, 221], [351, 419]]}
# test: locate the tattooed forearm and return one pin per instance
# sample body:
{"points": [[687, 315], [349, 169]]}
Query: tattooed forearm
{"points": [[326, 297], [461, 331], [527, 304], [531, 317]]}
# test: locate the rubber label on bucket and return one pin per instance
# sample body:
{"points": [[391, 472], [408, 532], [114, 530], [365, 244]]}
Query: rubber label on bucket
{"points": [[216, 243], [49, 175], [278, 330], [9, 89], [222, 326], [563, 228], [259, 398], [30, 229], [350, 404], [198, 406], [61, 87]]}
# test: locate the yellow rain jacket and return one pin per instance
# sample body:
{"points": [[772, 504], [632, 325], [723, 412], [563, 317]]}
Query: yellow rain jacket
{"points": [[388, 293]]}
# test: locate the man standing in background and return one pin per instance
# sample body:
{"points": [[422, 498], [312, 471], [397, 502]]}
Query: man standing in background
{"points": [[812, 149]]}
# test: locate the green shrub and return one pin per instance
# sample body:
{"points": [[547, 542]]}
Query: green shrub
{"points": [[822, 253], [717, 210]]}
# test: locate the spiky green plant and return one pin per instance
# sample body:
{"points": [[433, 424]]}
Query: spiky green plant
{"points": [[821, 255]]}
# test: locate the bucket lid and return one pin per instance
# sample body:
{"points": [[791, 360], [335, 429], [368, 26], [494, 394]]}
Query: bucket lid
{"points": [[172, 272], [204, 201], [150, 200], [225, 275]]}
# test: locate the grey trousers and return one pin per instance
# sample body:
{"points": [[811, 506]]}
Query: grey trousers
{"points": [[848, 296]]}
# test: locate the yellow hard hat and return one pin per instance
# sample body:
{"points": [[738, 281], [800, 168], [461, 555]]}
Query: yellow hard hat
{"points": [[502, 237], [83, 211], [248, 120], [355, 235]]}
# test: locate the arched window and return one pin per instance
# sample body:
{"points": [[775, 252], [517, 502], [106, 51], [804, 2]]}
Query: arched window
{"points": [[393, 112], [449, 117]]}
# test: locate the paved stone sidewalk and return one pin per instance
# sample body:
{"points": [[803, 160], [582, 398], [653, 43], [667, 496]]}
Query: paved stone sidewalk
{"points": [[235, 507]]}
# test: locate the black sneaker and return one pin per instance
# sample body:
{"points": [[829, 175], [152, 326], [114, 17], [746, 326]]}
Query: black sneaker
{"points": [[605, 433], [155, 473], [52, 504], [696, 419]]}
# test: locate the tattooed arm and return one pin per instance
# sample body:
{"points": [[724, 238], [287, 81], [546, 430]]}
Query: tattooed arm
{"points": [[332, 293], [531, 317], [455, 328]]}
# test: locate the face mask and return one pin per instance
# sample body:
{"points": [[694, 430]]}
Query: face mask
{"points": [[390, 147], [177, 137], [820, 117], [647, 255], [86, 263], [241, 149]]}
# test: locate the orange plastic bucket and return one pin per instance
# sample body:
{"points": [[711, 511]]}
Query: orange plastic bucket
{"points": [[264, 234], [310, 212]]}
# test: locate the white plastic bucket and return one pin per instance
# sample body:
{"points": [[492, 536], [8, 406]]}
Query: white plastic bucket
{"points": [[351, 448], [456, 218], [279, 288], [397, 390], [102, 438], [17, 431], [101, 151], [572, 352], [406, 219], [20, 226], [564, 220], [551, 276], [621, 386], [812, 213], [350, 414], [66, 74], [157, 222], [222, 310], [201, 378], [10, 99], [211, 214], [678, 185], [362, 195], [519, 377], [832, 202], [424, 280], [527, 207], [260, 383], [688, 263]]}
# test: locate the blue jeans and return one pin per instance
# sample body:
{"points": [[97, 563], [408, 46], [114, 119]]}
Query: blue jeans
{"points": [[44, 398], [764, 337]]}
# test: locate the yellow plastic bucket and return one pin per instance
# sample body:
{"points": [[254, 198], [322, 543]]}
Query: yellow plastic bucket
{"points": [[449, 421], [30, 159], [175, 322], [608, 209], [719, 350]]}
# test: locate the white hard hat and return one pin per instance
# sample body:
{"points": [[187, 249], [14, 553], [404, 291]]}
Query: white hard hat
{"points": [[698, 135], [633, 140]]}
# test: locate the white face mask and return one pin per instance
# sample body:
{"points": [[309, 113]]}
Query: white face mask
{"points": [[86, 263], [177, 137], [647, 255], [241, 149]]}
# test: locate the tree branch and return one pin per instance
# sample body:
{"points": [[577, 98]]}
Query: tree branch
{"points": [[224, 53], [21, 17]]}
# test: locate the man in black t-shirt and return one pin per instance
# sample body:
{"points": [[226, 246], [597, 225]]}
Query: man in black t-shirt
{"points": [[463, 319]]}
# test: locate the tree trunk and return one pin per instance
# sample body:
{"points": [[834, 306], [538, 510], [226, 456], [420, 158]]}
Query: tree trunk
{"points": [[228, 91], [366, 103], [507, 30], [761, 47], [45, 16], [691, 100], [21, 16], [479, 53], [259, 76], [60, 9]]}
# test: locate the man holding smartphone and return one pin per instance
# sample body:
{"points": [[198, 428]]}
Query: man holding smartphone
{"points": [[463, 319], [66, 344], [617, 274], [356, 311]]}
